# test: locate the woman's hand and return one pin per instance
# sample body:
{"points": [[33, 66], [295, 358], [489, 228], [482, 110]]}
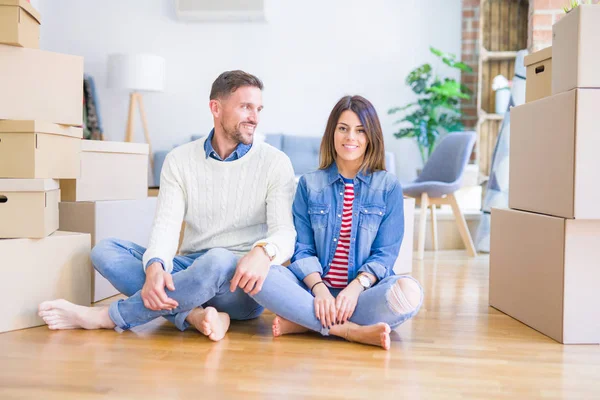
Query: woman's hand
{"points": [[346, 301], [324, 305]]}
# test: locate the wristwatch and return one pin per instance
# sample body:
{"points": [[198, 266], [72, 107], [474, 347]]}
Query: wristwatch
{"points": [[364, 281], [269, 250]]}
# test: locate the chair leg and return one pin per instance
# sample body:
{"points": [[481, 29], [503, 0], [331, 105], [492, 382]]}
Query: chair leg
{"points": [[434, 232], [462, 226], [422, 226]]}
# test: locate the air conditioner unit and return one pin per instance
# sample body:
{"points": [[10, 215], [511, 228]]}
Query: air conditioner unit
{"points": [[221, 10]]}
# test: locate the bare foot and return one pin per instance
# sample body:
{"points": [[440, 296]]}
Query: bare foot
{"points": [[61, 314], [374, 335], [210, 322], [282, 326]]}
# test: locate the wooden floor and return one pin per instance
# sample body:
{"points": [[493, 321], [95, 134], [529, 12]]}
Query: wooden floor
{"points": [[456, 347]]}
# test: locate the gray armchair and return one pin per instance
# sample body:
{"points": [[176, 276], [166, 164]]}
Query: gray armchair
{"points": [[441, 177]]}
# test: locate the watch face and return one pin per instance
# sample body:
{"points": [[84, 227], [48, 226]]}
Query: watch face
{"points": [[364, 281], [270, 250]]}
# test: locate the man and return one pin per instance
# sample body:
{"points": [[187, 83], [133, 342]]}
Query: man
{"points": [[235, 197]]}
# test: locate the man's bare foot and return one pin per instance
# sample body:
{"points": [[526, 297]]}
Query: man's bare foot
{"points": [[61, 314], [374, 335], [282, 326], [210, 322]]}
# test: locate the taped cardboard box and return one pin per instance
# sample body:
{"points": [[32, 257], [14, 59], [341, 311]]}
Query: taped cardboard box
{"points": [[109, 171], [544, 272], [575, 55], [40, 85], [55, 267], [19, 24], [554, 159], [539, 75], [34, 150], [28, 207]]}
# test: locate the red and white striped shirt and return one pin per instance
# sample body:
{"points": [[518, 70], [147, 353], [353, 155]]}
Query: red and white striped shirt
{"points": [[337, 276]]}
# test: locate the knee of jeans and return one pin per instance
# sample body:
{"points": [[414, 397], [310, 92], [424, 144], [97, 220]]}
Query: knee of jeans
{"points": [[278, 269], [100, 252], [404, 296], [217, 263]]}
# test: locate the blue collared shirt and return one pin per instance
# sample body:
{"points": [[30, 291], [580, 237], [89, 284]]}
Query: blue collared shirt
{"points": [[239, 152], [377, 223]]}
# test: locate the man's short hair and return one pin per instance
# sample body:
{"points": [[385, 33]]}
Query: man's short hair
{"points": [[230, 81]]}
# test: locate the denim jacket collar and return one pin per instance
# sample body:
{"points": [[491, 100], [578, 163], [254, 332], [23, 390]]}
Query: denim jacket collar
{"points": [[333, 175]]}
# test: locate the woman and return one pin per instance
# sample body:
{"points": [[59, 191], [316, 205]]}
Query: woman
{"points": [[350, 222]]}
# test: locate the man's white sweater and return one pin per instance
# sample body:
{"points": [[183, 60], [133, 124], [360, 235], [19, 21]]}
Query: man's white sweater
{"points": [[231, 205]]}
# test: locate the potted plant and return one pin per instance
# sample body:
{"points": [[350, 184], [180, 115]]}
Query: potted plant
{"points": [[437, 107]]}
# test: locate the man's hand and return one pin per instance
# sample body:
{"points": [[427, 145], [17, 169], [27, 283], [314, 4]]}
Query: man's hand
{"points": [[153, 293], [251, 271], [345, 302]]}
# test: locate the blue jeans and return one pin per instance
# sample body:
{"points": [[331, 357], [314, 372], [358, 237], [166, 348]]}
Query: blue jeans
{"points": [[200, 279], [287, 296]]}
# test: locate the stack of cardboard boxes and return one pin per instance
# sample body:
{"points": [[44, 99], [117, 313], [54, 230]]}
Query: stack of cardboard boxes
{"points": [[40, 111], [545, 249], [53, 183]]}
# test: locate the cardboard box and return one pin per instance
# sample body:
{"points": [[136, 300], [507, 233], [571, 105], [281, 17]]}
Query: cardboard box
{"points": [[28, 208], [19, 24], [128, 220], [544, 272], [37, 270], [32, 149], [40, 85], [576, 59], [554, 160], [539, 75], [109, 171], [404, 261]]}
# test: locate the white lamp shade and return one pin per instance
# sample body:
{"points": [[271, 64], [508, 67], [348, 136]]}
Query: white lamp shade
{"points": [[138, 72]]}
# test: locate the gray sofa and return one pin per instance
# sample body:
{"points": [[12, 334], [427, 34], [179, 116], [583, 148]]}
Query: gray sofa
{"points": [[303, 151]]}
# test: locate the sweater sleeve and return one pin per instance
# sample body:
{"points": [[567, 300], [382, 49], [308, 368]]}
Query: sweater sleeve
{"points": [[280, 224], [170, 212]]}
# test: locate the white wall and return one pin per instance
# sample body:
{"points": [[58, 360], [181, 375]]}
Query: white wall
{"points": [[308, 54]]}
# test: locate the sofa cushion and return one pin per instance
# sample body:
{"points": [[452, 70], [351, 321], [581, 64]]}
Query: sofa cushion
{"points": [[303, 151], [275, 140]]}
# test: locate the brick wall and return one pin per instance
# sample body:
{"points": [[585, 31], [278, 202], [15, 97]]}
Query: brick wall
{"points": [[470, 53]]}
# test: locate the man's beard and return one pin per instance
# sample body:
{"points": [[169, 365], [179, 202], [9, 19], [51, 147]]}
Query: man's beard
{"points": [[235, 135]]}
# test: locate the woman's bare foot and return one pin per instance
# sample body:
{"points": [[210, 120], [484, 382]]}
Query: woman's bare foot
{"points": [[282, 326], [210, 322], [374, 335], [61, 314]]}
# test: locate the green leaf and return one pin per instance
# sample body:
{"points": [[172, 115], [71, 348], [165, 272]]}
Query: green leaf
{"points": [[463, 67], [405, 133], [435, 51], [398, 109], [418, 78], [450, 88]]}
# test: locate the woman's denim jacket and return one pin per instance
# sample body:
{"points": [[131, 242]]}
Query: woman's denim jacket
{"points": [[377, 223]]}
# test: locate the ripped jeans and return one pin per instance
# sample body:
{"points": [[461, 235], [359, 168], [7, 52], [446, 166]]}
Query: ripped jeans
{"points": [[285, 295]]}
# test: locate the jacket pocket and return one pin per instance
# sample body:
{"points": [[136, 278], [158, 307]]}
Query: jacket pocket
{"points": [[318, 214], [371, 216]]}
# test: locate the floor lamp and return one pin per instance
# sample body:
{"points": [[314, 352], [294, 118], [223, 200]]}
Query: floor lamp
{"points": [[136, 73]]}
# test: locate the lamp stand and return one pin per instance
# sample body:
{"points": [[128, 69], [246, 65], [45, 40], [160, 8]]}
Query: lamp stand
{"points": [[135, 98]]}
